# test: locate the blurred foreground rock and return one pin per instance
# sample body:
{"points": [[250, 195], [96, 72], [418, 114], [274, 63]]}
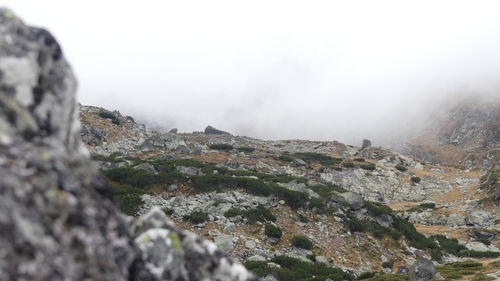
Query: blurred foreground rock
{"points": [[57, 221]]}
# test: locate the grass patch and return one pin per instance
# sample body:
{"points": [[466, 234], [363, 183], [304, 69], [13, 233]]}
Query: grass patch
{"points": [[459, 269], [348, 165]]}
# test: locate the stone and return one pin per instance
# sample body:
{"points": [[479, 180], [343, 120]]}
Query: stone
{"points": [[366, 143], [209, 130], [269, 278], [423, 269], [146, 167], [477, 234], [323, 260], [299, 162], [256, 258], [250, 244], [93, 136], [478, 218], [224, 242], [354, 200], [172, 187], [173, 131], [191, 171]]}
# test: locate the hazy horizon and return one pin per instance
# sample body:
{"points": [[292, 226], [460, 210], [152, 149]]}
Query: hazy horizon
{"points": [[322, 70]]}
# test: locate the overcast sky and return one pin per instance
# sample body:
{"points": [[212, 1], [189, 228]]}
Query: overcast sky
{"points": [[342, 70]]}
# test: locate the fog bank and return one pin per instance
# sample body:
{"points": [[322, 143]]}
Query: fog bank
{"points": [[323, 70]]}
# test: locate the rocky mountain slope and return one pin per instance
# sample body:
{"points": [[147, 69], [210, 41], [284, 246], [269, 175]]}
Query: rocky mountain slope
{"points": [[254, 198], [57, 221]]}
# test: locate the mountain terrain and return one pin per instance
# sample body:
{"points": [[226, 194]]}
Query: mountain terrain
{"points": [[87, 193], [361, 210]]}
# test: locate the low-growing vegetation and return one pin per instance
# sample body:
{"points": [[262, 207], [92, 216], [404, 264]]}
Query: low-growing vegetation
{"points": [[246, 149], [415, 179], [323, 159], [368, 166], [301, 241], [110, 116], [222, 146], [196, 217], [401, 168], [260, 213], [272, 231], [348, 165], [292, 269]]}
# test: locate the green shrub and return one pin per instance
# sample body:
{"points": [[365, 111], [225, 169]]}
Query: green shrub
{"points": [[253, 215], [311, 258], [129, 203], [303, 218], [129, 176], [366, 275], [292, 269], [301, 241], [284, 158], [388, 264], [222, 146], [348, 165], [428, 205], [259, 214], [359, 159], [318, 157], [416, 239], [415, 179], [368, 166], [196, 217], [484, 241], [401, 168], [233, 212], [246, 149], [168, 211], [377, 209], [272, 231], [110, 116]]}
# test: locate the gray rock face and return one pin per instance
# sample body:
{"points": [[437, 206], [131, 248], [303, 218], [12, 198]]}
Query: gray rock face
{"points": [[60, 225], [423, 269], [56, 218], [93, 136], [213, 131], [366, 143], [478, 218]]}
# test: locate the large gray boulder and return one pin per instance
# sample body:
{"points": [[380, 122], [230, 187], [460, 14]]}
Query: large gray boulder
{"points": [[57, 219], [423, 269], [213, 131]]}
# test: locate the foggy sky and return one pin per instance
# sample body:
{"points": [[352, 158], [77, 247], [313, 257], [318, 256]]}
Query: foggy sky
{"points": [[323, 70]]}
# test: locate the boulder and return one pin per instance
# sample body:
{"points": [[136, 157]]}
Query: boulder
{"points": [[209, 130], [423, 269], [299, 162], [224, 242], [173, 131], [93, 136], [146, 167], [366, 143], [478, 218], [477, 234]]}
